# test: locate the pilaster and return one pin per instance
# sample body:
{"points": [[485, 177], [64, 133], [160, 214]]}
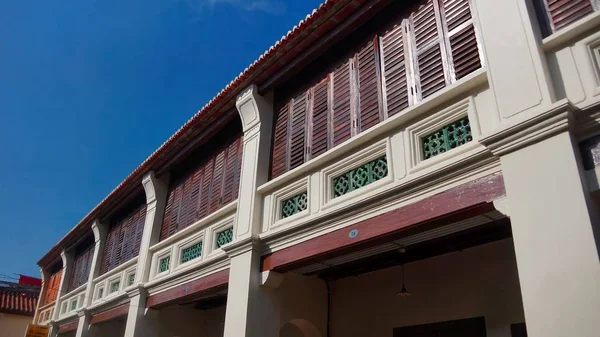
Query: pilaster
{"points": [[100, 230], [141, 321], [67, 262], [552, 225]]}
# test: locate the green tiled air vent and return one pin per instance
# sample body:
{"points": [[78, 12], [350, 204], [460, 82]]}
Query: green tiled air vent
{"points": [[191, 252], [360, 176], [224, 237], [131, 279], [114, 287], [74, 305], [163, 264], [293, 205], [447, 138]]}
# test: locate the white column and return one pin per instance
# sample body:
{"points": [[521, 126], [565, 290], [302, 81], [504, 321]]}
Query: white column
{"points": [[557, 257], [83, 327], [251, 310], [45, 278], [67, 261], [156, 199], [100, 231], [142, 322]]}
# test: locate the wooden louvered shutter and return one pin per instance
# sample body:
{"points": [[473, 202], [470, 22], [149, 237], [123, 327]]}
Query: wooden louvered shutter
{"points": [[175, 209], [166, 223], [205, 194], [217, 182], [106, 255], [238, 170], [369, 86], [461, 38], [141, 221], [342, 106], [188, 204], [320, 117], [564, 12], [231, 171], [396, 76], [431, 74], [279, 164], [191, 214], [298, 131]]}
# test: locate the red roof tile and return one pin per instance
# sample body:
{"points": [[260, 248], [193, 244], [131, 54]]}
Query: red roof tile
{"points": [[17, 302]]}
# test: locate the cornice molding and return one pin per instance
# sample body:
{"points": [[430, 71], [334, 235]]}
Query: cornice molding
{"points": [[557, 119], [242, 245]]}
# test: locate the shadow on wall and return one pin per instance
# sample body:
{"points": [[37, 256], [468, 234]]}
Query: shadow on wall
{"points": [[299, 328]]}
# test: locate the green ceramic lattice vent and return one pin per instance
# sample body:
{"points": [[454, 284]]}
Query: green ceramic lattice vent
{"points": [[191, 252], [163, 264], [131, 279], [114, 287], [360, 177], [447, 138], [224, 237], [293, 205], [74, 305]]}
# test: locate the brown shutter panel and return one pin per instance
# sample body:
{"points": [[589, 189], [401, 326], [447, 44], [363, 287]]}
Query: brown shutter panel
{"points": [[205, 194], [565, 12], [107, 252], [320, 118], [238, 169], [166, 223], [231, 170], [395, 71], [141, 221], [193, 195], [217, 182], [369, 86], [462, 38], [188, 204], [175, 209], [298, 131], [342, 117], [429, 64], [280, 157]]}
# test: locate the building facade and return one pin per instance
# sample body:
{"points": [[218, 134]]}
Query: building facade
{"points": [[388, 168], [17, 307]]}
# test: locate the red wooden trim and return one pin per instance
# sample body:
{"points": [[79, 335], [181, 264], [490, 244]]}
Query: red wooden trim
{"points": [[456, 204], [204, 284], [71, 326], [109, 314]]}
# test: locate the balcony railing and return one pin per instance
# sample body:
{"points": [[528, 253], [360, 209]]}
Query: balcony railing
{"points": [[114, 283]]}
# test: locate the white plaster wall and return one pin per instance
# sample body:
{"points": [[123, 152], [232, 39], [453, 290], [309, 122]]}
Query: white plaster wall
{"points": [[481, 281], [185, 321], [14, 325]]}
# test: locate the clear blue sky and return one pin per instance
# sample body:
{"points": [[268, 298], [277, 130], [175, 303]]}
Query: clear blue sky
{"points": [[88, 89]]}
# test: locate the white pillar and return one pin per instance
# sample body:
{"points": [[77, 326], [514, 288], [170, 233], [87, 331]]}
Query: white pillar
{"points": [[142, 322], [45, 278], [557, 257], [67, 261], [250, 308], [100, 231], [83, 327], [156, 199]]}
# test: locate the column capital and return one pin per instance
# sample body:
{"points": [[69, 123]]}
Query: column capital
{"points": [[99, 230], [253, 108], [557, 119], [242, 245]]}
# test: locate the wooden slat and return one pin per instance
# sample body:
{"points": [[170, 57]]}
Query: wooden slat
{"points": [[280, 156], [369, 86], [166, 223], [565, 12], [238, 171], [217, 182], [342, 120], [431, 71], [231, 168], [205, 194], [465, 53], [395, 75], [425, 26], [320, 118], [298, 131], [457, 12]]}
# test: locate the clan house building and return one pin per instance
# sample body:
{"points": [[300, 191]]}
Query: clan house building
{"points": [[388, 168]]}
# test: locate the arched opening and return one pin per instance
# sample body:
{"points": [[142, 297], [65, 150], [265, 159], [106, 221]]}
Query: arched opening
{"points": [[299, 328]]}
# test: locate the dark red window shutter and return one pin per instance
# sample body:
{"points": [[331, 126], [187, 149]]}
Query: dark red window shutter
{"points": [[238, 170], [461, 36], [565, 12], [217, 182], [342, 114], [232, 168], [140, 224], [298, 131], [205, 194], [369, 86], [320, 118], [281, 142], [395, 70], [80, 269], [430, 70]]}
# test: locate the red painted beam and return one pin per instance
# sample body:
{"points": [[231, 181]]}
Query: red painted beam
{"points": [[205, 284], [72, 326], [109, 314], [453, 205]]}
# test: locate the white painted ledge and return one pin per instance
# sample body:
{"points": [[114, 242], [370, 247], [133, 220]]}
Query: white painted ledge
{"points": [[565, 35]]}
